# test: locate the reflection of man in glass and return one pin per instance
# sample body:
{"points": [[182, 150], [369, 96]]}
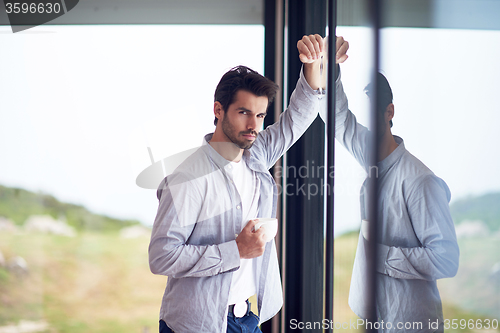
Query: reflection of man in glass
{"points": [[416, 237], [203, 237]]}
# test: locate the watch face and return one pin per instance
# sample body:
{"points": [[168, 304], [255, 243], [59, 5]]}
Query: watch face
{"points": [[240, 309]]}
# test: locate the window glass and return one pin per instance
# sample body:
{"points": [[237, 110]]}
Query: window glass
{"points": [[445, 110], [349, 173], [80, 107]]}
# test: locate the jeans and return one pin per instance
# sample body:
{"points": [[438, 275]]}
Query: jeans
{"points": [[245, 324]]}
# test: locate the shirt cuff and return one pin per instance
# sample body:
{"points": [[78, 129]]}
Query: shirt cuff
{"points": [[230, 256]]}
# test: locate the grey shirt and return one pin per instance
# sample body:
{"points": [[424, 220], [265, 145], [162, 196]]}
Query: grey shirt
{"points": [[199, 215], [416, 234]]}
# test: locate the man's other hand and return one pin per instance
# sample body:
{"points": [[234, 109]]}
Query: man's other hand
{"points": [[341, 50], [311, 48], [251, 244]]}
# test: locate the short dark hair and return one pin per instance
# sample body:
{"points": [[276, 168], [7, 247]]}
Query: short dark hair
{"points": [[384, 95], [243, 78]]}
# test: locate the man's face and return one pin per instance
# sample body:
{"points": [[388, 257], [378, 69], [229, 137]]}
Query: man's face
{"points": [[244, 118]]}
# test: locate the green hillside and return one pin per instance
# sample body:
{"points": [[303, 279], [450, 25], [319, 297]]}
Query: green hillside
{"points": [[100, 282], [485, 208], [18, 204], [94, 282]]}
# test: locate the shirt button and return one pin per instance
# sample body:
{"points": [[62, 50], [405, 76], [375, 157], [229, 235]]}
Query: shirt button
{"points": [[229, 167], [238, 207]]}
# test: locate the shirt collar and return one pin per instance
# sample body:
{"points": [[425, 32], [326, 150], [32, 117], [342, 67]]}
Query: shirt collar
{"points": [[393, 157], [220, 161]]}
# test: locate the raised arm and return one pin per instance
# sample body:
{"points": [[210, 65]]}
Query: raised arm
{"points": [[304, 103], [352, 135]]}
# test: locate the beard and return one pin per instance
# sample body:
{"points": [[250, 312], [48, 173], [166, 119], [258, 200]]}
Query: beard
{"points": [[229, 130]]}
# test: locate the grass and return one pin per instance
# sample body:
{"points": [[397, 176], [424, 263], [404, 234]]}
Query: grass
{"points": [[472, 295], [344, 251], [100, 283], [90, 283]]}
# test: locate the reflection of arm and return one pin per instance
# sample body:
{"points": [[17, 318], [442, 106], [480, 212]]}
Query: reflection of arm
{"points": [[302, 109], [353, 136], [169, 251], [315, 75], [430, 216]]}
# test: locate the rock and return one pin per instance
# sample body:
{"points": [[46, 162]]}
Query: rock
{"points": [[26, 326], [46, 224], [135, 231], [2, 260], [472, 229], [495, 270], [18, 266], [7, 225]]}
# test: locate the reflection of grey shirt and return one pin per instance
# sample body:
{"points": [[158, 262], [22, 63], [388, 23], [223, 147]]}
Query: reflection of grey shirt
{"points": [[199, 215], [416, 235]]}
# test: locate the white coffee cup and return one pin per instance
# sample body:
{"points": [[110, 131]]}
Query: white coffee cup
{"points": [[365, 228], [270, 226]]}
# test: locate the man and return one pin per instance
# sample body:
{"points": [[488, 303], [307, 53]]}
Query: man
{"points": [[416, 241], [203, 237]]}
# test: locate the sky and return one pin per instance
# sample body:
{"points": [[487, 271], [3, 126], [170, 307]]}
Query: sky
{"points": [[80, 106]]}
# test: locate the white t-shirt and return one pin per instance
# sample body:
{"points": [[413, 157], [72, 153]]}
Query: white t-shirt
{"points": [[243, 284]]}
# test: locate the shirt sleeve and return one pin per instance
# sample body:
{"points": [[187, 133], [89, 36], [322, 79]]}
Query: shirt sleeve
{"points": [[352, 135], [437, 257], [169, 250], [302, 110]]}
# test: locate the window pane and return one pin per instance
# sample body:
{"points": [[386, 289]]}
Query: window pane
{"points": [[447, 113], [80, 106]]}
